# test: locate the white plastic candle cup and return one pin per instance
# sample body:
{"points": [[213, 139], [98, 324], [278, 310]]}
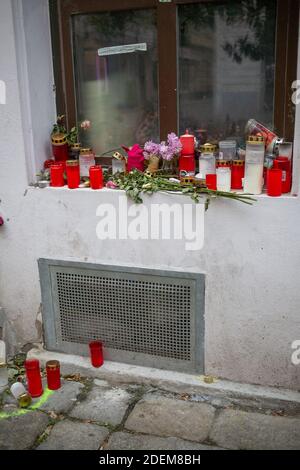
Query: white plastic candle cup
{"points": [[255, 152], [227, 150], [253, 181], [207, 164], [17, 389], [223, 179]]}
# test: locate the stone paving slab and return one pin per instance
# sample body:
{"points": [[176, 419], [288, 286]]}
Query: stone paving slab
{"points": [[170, 417], [70, 435], [127, 441], [236, 429], [63, 399], [103, 405], [21, 432]]}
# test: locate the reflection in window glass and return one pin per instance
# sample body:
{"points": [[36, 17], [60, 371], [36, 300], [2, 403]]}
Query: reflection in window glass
{"points": [[226, 66], [116, 91]]}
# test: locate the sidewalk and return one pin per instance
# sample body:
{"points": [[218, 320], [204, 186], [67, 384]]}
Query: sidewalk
{"points": [[95, 414]]}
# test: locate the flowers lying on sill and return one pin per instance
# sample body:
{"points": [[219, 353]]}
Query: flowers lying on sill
{"points": [[135, 183]]}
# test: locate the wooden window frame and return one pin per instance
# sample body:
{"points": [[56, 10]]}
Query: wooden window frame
{"points": [[286, 53]]}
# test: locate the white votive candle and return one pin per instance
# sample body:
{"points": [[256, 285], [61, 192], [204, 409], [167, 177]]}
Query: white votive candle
{"points": [[223, 179], [253, 181]]}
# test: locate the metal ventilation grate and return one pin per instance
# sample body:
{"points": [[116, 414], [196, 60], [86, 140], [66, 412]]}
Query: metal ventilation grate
{"points": [[142, 316]]}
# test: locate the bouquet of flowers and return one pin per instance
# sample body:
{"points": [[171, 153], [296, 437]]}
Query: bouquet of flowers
{"points": [[168, 151]]}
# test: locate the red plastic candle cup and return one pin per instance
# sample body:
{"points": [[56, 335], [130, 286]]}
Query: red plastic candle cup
{"points": [[237, 174], [57, 175], [188, 143], [60, 152], [73, 174], [186, 164], [34, 379], [96, 177], [211, 181], [96, 352], [284, 164], [274, 187], [53, 375], [60, 147]]}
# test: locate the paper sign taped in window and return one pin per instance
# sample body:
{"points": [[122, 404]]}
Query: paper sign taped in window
{"points": [[126, 49]]}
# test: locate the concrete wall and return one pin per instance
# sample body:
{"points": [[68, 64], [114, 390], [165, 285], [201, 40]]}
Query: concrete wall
{"points": [[251, 255]]}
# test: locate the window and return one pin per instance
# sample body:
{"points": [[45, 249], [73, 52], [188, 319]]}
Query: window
{"points": [[205, 65]]}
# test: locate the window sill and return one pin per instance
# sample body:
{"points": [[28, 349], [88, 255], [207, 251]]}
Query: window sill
{"points": [[121, 191]]}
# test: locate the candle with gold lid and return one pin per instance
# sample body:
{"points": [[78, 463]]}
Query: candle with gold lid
{"points": [[60, 148], [73, 174], [254, 166], [53, 374]]}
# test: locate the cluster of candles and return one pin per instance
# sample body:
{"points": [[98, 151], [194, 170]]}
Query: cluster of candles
{"points": [[81, 165], [266, 162], [71, 168], [34, 377]]}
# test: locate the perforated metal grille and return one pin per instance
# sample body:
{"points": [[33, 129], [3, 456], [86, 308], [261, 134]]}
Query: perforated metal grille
{"points": [[127, 314]]}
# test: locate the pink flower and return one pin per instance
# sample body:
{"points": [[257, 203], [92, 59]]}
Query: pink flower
{"points": [[1, 221], [111, 185], [85, 125]]}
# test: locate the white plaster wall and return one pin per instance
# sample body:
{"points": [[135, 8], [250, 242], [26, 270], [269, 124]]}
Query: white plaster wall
{"points": [[251, 255]]}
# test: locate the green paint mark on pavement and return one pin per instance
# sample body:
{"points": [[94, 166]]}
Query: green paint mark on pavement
{"points": [[46, 395]]}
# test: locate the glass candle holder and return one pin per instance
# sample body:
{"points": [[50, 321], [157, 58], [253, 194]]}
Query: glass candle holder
{"points": [[118, 166], [96, 353], [96, 177], [86, 160], [223, 179], [34, 380], [53, 375], [274, 178], [57, 175], [73, 174], [211, 181]]}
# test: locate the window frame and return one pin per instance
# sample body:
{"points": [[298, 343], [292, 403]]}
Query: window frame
{"points": [[286, 53]]}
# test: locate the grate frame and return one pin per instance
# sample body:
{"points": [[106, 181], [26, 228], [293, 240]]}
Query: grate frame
{"points": [[58, 280]]}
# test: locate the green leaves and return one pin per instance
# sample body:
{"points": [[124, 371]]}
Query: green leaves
{"points": [[135, 183]]}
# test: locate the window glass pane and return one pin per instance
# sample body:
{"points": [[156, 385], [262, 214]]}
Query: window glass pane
{"points": [[116, 91], [226, 66]]}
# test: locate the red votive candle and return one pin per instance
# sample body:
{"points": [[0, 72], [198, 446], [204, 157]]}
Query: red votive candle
{"points": [[96, 352], [57, 175], [188, 143], [60, 147], [73, 174], [186, 164], [274, 185], [34, 380], [211, 181], [284, 164], [96, 177], [237, 174], [53, 375]]}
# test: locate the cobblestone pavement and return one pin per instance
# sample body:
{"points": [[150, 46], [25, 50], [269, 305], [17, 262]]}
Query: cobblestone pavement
{"points": [[94, 414]]}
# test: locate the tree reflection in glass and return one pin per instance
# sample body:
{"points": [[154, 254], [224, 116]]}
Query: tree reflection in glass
{"points": [[226, 66]]}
